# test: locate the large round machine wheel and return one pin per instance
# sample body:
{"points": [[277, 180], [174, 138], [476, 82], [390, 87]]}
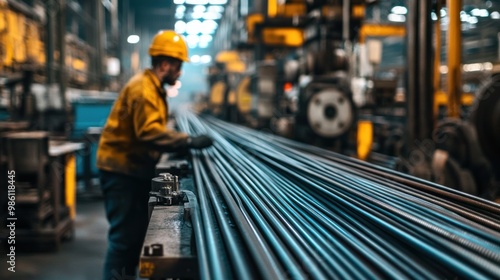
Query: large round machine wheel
{"points": [[330, 113], [326, 112]]}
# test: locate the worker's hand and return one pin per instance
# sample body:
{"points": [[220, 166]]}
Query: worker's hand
{"points": [[199, 142]]}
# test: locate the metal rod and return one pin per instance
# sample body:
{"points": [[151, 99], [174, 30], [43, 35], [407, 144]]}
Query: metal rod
{"points": [[316, 214]]}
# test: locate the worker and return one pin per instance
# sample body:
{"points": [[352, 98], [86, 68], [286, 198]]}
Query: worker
{"points": [[131, 143]]}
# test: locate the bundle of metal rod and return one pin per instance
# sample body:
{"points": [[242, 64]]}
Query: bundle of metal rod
{"points": [[275, 209]]}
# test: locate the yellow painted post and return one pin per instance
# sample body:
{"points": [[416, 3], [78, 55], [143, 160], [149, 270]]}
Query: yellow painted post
{"points": [[70, 184], [454, 58], [364, 139], [437, 59], [272, 8]]}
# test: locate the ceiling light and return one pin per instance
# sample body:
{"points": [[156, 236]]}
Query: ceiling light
{"points": [[211, 15], [193, 27], [179, 15], [483, 13], [180, 9], [473, 20], [133, 39], [479, 12], [206, 38], [195, 58], [202, 45], [495, 15], [192, 38], [180, 26], [192, 41], [210, 24], [400, 10], [197, 15], [199, 9], [197, 2], [464, 17], [215, 9], [179, 2], [205, 58], [396, 18], [443, 12], [217, 2]]}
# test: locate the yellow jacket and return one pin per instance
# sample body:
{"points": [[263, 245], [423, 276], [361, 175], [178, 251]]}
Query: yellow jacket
{"points": [[135, 134]]}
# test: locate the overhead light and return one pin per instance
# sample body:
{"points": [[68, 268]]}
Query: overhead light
{"points": [[399, 10], [464, 17], [479, 12], [133, 39], [202, 45], [197, 15], [206, 38], [434, 16], [473, 67], [205, 58], [199, 9], [396, 18], [443, 13], [484, 13], [495, 15], [195, 58], [209, 25], [212, 15], [197, 2], [113, 66], [215, 9], [193, 27], [179, 2], [180, 26], [208, 31], [217, 2], [179, 15], [180, 9], [193, 39], [473, 20]]}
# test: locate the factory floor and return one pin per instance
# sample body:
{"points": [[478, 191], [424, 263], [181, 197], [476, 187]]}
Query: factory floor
{"points": [[80, 258]]}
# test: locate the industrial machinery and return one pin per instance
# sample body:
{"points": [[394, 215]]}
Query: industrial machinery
{"points": [[415, 109], [222, 79], [325, 106], [52, 53], [44, 198], [47, 47], [297, 80], [52, 74]]}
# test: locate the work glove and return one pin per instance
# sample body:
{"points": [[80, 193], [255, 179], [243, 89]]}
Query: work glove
{"points": [[199, 142]]}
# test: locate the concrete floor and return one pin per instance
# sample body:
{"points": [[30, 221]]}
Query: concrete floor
{"points": [[80, 258]]}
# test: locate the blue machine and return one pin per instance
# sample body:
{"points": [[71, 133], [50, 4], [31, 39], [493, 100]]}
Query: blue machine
{"points": [[90, 114], [4, 114]]}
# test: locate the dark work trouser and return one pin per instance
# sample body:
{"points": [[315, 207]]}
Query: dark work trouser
{"points": [[126, 203]]}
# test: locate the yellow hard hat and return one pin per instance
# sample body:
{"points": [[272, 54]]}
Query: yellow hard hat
{"points": [[169, 43]]}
